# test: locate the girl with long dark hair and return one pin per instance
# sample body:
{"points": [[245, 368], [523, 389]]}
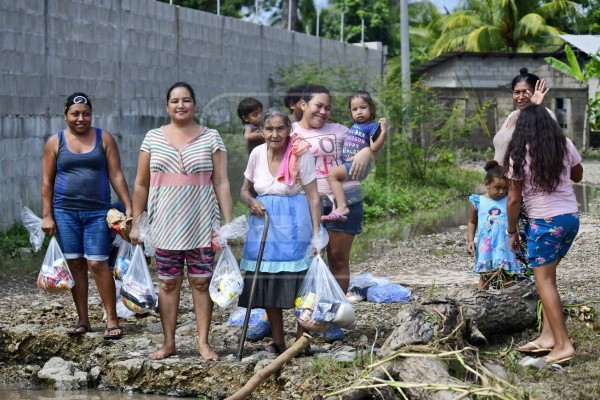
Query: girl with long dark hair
{"points": [[540, 163]]}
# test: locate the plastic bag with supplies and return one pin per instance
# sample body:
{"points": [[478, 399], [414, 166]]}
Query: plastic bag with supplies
{"points": [[55, 275], [123, 259], [137, 291], [320, 302], [33, 224], [227, 282]]}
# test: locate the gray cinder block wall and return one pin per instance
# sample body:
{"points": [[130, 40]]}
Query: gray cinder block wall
{"points": [[125, 54]]}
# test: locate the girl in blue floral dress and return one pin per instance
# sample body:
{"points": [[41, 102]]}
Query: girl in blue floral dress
{"points": [[486, 230]]}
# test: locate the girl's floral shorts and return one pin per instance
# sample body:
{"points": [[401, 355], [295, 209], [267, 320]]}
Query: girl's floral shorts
{"points": [[550, 238]]}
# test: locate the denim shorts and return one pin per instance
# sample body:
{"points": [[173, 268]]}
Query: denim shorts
{"points": [[199, 262], [550, 238], [83, 234], [353, 225]]}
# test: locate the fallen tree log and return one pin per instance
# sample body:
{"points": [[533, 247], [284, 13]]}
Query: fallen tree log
{"points": [[450, 323]]}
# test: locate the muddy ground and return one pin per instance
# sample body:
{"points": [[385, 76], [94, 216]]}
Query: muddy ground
{"points": [[32, 330]]}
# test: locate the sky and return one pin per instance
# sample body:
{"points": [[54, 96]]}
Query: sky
{"points": [[449, 4]]}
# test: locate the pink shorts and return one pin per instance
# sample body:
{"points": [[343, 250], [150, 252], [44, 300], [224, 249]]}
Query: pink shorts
{"points": [[200, 262]]}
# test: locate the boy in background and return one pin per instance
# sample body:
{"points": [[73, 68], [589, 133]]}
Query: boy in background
{"points": [[249, 110]]}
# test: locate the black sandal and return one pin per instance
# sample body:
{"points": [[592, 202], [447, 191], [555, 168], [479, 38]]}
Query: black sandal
{"points": [[76, 329], [108, 336]]}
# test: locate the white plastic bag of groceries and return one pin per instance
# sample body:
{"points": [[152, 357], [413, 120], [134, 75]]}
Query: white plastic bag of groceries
{"points": [[55, 275], [321, 302], [33, 224], [227, 282], [137, 291]]}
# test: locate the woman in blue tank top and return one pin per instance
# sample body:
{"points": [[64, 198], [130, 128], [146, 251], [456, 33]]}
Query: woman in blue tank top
{"points": [[80, 165]]}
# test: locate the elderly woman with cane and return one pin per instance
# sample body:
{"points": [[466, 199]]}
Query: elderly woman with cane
{"points": [[280, 179]]}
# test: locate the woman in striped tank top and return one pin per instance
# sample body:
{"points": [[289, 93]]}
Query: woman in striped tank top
{"points": [[182, 176]]}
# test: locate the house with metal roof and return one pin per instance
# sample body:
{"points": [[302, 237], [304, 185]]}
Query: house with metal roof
{"points": [[476, 79]]}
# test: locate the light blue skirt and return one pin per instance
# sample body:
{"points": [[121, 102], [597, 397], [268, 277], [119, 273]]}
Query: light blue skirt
{"points": [[288, 238]]}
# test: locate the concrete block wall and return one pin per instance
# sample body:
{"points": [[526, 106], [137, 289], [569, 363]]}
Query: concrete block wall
{"points": [[125, 54]]}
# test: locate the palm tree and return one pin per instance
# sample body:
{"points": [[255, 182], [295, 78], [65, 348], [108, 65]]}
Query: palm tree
{"points": [[502, 26]]}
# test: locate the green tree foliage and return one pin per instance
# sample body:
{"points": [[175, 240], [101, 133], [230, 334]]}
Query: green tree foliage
{"points": [[376, 15], [591, 70], [588, 22], [304, 15], [503, 25]]}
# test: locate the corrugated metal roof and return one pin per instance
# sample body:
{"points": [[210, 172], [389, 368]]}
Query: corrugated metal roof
{"points": [[589, 44]]}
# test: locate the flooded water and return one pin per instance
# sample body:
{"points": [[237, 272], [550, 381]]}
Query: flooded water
{"points": [[12, 392]]}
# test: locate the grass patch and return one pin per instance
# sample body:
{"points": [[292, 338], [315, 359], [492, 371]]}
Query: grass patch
{"points": [[325, 374], [400, 196], [17, 256], [591, 154]]}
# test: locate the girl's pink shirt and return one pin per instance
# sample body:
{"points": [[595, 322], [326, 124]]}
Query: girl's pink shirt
{"points": [[541, 204]]}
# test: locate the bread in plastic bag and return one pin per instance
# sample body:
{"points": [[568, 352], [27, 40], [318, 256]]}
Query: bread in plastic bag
{"points": [[33, 224], [137, 291], [55, 275], [123, 260], [227, 282], [321, 303], [119, 223]]}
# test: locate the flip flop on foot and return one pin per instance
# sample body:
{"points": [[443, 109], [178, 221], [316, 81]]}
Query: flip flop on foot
{"points": [[78, 329], [533, 347], [110, 335], [334, 217], [550, 360]]}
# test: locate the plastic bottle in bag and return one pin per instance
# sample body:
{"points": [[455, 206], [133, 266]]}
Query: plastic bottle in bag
{"points": [[123, 260]]}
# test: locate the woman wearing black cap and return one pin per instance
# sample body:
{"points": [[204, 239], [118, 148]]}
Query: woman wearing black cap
{"points": [[80, 165]]}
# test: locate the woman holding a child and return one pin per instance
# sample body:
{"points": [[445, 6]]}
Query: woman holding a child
{"points": [[326, 140]]}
